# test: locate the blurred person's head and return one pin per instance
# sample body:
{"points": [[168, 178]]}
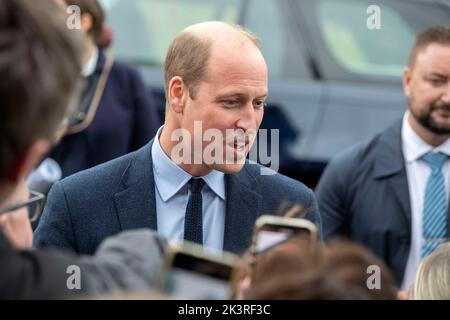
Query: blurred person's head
{"points": [[432, 280], [299, 269], [39, 66], [215, 76], [92, 19], [426, 83]]}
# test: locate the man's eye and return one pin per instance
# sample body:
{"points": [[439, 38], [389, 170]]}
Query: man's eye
{"points": [[437, 82], [259, 104], [230, 103]]}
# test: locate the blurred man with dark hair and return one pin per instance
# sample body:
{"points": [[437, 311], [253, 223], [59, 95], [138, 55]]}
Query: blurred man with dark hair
{"points": [[39, 68], [391, 194]]}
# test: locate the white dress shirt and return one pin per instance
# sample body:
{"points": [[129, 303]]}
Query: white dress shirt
{"points": [[172, 196], [417, 171], [89, 67]]}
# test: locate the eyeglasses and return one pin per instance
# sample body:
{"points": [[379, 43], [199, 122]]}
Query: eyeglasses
{"points": [[34, 205]]}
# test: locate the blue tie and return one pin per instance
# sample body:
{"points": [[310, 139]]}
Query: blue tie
{"points": [[434, 205], [193, 226]]}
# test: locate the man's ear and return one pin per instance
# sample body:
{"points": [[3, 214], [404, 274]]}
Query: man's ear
{"points": [[28, 160], [407, 81], [86, 22], [177, 94]]}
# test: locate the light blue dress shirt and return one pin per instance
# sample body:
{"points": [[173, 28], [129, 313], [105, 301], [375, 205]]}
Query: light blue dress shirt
{"points": [[172, 195]]}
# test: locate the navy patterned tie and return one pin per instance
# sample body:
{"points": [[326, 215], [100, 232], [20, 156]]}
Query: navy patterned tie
{"points": [[434, 206], [193, 227]]}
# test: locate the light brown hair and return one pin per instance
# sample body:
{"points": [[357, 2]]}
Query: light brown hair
{"points": [[188, 57], [301, 270]]}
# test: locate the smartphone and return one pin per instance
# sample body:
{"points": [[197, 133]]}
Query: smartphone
{"points": [[190, 273], [272, 230]]}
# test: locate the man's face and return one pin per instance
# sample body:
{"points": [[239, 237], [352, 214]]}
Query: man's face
{"points": [[230, 98], [427, 87]]}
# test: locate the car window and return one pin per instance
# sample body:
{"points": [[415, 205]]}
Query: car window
{"points": [[144, 29], [280, 46], [359, 49], [346, 49]]}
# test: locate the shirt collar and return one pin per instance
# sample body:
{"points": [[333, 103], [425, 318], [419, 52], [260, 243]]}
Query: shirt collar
{"points": [[414, 147], [89, 67], [170, 178], [216, 182]]}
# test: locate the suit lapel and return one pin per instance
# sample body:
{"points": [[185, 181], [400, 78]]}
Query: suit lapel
{"points": [[390, 165], [399, 184], [136, 204], [243, 206]]}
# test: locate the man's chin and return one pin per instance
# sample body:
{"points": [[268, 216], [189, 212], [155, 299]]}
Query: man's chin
{"points": [[439, 123], [434, 122], [229, 168]]}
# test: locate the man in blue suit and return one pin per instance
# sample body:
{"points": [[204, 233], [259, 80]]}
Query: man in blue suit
{"points": [[391, 194], [185, 184]]}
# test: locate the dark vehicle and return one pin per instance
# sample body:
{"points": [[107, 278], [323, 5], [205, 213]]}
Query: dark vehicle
{"points": [[335, 65]]}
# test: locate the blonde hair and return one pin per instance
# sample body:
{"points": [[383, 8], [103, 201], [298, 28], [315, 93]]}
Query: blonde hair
{"points": [[432, 280]]}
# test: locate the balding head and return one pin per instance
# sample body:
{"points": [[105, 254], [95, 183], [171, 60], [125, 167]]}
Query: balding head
{"points": [[190, 52], [217, 32]]}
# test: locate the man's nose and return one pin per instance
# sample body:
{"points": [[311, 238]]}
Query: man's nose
{"points": [[247, 117], [446, 96]]}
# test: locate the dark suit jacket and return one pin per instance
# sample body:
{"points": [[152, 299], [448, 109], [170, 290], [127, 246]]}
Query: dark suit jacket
{"points": [[34, 274], [85, 208], [130, 261], [126, 119], [363, 194]]}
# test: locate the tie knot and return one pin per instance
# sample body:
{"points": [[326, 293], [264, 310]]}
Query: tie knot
{"points": [[435, 160], [197, 185]]}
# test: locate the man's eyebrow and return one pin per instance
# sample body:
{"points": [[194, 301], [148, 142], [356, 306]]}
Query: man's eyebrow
{"points": [[239, 95], [230, 94], [437, 74]]}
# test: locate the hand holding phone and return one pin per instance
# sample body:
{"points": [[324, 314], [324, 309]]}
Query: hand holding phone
{"points": [[190, 273], [272, 230]]}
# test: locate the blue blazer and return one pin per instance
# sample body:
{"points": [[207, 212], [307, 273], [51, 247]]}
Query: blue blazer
{"points": [[363, 194], [91, 205]]}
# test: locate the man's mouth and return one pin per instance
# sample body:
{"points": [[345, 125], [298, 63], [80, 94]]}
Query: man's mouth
{"points": [[239, 147], [240, 143], [442, 113], [444, 108]]}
